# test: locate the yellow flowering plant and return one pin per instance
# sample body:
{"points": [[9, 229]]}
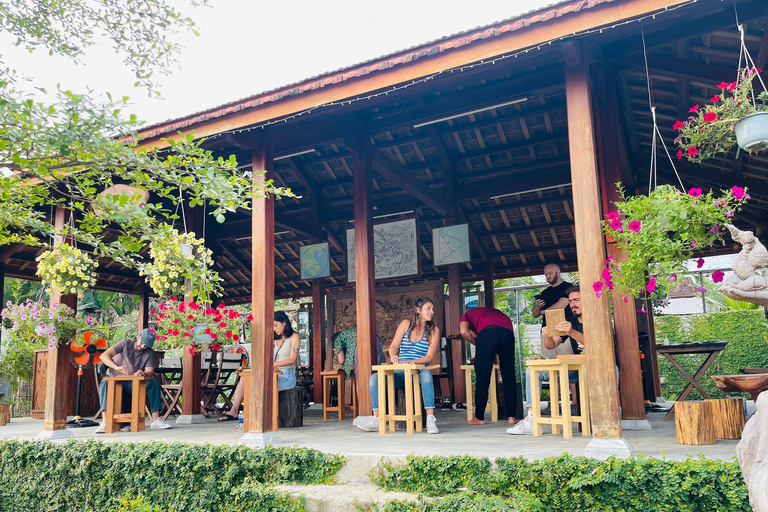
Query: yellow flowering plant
{"points": [[179, 258], [67, 268]]}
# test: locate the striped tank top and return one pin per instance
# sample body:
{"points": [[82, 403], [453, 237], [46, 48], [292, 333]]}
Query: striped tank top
{"points": [[410, 350]]}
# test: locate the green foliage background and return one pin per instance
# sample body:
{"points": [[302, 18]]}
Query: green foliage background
{"points": [[747, 347]]}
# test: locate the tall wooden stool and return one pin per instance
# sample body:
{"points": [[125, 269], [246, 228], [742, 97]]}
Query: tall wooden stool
{"points": [[492, 398], [246, 376], [387, 413], [558, 369], [113, 415], [338, 376]]}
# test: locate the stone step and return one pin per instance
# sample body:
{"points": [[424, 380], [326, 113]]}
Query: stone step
{"points": [[345, 497]]}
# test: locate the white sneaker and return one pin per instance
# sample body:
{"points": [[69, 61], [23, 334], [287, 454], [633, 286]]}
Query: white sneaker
{"points": [[524, 427], [102, 428], [361, 420], [160, 424], [370, 425], [126, 428], [432, 425]]}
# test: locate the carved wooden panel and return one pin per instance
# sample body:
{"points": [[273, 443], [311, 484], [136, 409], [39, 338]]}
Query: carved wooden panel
{"points": [[39, 378], [89, 400]]}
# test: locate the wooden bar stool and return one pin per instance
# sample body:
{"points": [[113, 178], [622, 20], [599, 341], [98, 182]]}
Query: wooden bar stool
{"points": [[339, 376], [114, 416], [558, 372], [492, 398], [246, 376], [387, 415]]}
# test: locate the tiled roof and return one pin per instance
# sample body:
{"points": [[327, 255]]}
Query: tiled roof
{"points": [[383, 63]]}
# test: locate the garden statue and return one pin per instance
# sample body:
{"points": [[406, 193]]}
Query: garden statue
{"points": [[752, 451], [747, 282]]}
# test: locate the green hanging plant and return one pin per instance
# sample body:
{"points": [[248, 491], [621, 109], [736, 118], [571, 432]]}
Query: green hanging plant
{"points": [[68, 268]]}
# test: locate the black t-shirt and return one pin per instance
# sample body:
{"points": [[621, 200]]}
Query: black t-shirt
{"points": [[577, 326], [553, 294]]}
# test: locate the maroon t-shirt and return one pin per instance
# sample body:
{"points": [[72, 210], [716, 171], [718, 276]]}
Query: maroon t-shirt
{"points": [[480, 318], [127, 355]]}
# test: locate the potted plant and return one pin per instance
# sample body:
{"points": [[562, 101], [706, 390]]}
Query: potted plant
{"points": [[179, 259], [226, 324], [659, 232], [734, 116], [35, 324], [68, 268]]}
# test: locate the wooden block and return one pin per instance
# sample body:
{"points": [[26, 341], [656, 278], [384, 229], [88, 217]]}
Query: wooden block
{"points": [[554, 317], [5, 414], [290, 412], [694, 422], [728, 414]]}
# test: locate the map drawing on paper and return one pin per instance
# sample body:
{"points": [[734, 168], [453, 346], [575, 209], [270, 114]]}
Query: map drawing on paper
{"points": [[315, 261], [395, 250], [451, 244]]}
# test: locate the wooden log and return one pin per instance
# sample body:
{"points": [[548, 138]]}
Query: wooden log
{"points": [[728, 415], [400, 409], [694, 422], [5, 414], [290, 412]]}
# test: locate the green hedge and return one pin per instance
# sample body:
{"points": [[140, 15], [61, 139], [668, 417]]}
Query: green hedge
{"points": [[466, 501], [747, 348], [568, 483], [92, 475]]}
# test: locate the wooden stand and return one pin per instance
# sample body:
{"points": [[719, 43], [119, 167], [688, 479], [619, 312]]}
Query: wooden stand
{"points": [[5, 414], [339, 377], [694, 421], [492, 398], [113, 415], [558, 369], [290, 408], [728, 414], [413, 405]]}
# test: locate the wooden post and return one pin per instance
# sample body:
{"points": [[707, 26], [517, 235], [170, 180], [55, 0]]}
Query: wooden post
{"points": [[318, 330], [58, 394], [488, 284], [365, 278], [625, 320], [263, 294], [143, 306], [603, 389], [452, 332]]}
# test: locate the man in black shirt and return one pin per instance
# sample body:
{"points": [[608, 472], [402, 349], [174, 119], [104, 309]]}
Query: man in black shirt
{"points": [[554, 296]]}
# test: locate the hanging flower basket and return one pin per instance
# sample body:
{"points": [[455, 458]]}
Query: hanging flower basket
{"points": [[752, 132], [179, 258], [179, 323], [659, 232], [67, 268]]}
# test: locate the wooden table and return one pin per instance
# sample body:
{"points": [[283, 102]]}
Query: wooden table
{"points": [[412, 416], [698, 347], [113, 415], [559, 367]]}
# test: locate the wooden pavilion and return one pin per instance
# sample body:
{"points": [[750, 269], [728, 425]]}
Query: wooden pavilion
{"points": [[519, 129]]}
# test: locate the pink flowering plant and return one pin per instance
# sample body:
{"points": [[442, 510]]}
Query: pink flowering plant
{"points": [[659, 232], [175, 322], [39, 326], [709, 129]]}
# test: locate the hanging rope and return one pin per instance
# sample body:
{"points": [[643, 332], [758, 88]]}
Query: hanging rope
{"points": [[746, 57]]}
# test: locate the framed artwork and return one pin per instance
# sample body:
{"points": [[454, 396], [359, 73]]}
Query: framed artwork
{"points": [[395, 250], [451, 244], [315, 261]]}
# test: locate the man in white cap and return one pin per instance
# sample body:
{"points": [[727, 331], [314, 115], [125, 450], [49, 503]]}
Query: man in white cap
{"points": [[133, 357]]}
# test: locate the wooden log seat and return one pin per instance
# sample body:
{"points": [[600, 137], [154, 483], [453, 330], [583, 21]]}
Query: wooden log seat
{"points": [[5, 414], [729, 417], [694, 422], [290, 410]]}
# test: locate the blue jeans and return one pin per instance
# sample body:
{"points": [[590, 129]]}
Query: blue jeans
{"points": [[153, 393], [425, 381], [287, 380]]}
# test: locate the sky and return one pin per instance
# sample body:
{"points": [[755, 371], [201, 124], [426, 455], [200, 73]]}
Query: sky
{"points": [[249, 46]]}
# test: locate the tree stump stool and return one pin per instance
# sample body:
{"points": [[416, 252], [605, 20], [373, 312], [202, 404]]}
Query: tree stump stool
{"points": [[5, 414], [290, 410], [694, 422], [728, 417], [400, 410]]}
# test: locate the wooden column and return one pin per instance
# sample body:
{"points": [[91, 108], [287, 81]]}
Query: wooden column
{"points": [[624, 317], [452, 332], [2, 286], [490, 301], [143, 306], [191, 380], [365, 278], [58, 393], [603, 390], [318, 331], [263, 295]]}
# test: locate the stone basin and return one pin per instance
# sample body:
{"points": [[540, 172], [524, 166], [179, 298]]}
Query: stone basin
{"points": [[754, 384]]}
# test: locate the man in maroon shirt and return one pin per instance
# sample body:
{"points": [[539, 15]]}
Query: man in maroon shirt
{"points": [[492, 333]]}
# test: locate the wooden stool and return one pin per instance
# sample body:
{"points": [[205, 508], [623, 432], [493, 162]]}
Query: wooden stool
{"points": [[492, 398], [387, 413], [558, 368], [340, 377], [113, 415], [728, 414], [246, 376], [290, 410], [5, 414], [694, 422]]}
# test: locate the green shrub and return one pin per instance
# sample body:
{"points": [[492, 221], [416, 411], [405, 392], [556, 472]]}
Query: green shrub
{"points": [[567, 483], [172, 476], [743, 330], [469, 501]]}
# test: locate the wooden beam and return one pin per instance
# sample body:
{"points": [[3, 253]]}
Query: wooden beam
{"points": [[143, 306], [604, 398], [365, 273], [9, 251], [263, 294], [762, 53], [398, 176], [452, 333]]}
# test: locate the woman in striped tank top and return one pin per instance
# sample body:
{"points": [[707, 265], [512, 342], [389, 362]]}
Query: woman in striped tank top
{"points": [[416, 342]]}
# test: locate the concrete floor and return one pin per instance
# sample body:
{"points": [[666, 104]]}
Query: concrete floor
{"points": [[456, 438]]}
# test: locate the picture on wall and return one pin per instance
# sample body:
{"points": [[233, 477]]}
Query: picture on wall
{"points": [[395, 250], [315, 261], [451, 244]]}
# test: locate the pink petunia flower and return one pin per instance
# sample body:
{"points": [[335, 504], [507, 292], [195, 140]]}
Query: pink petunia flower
{"points": [[677, 125], [717, 276], [613, 215], [700, 263], [635, 226], [607, 274], [694, 243], [693, 108], [738, 192], [651, 285], [598, 286], [616, 225], [694, 192]]}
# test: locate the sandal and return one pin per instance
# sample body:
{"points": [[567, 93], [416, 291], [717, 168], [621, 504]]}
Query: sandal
{"points": [[227, 417]]}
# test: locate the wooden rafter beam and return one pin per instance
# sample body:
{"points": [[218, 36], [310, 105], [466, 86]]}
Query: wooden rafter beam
{"points": [[9, 251]]}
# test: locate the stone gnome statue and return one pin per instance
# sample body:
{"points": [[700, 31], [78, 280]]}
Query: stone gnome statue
{"points": [[747, 282]]}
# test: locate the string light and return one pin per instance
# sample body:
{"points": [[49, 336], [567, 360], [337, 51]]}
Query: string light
{"points": [[459, 69]]}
